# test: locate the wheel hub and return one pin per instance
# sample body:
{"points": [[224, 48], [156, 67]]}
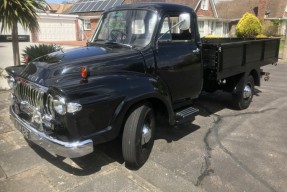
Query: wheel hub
{"points": [[146, 134], [247, 92]]}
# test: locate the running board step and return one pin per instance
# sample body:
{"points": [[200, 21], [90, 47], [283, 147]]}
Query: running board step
{"points": [[186, 115]]}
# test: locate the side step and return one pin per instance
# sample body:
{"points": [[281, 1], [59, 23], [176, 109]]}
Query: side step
{"points": [[185, 115]]}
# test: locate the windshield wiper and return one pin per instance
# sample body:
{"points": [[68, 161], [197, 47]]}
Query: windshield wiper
{"points": [[117, 43], [99, 40]]}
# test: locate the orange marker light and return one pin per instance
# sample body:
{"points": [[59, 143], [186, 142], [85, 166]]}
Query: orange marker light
{"points": [[84, 72]]}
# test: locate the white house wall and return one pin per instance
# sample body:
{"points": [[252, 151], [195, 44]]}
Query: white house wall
{"points": [[21, 31]]}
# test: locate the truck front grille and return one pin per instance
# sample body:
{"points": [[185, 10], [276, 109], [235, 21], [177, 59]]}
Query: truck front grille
{"points": [[49, 105], [31, 94]]}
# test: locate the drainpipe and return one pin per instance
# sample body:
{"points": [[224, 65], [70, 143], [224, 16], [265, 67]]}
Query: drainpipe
{"points": [[285, 45]]}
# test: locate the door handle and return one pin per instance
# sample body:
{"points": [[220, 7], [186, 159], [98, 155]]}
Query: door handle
{"points": [[196, 51]]}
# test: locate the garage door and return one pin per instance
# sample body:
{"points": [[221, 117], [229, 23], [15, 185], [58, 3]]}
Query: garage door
{"points": [[57, 30]]}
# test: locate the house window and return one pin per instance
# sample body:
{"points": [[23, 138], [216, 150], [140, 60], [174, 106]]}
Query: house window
{"points": [[219, 29], [87, 24], [204, 4], [211, 27], [225, 30], [201, 28]]}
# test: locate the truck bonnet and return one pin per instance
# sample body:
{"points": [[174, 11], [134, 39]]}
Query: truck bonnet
{"points": [[51, 68]]}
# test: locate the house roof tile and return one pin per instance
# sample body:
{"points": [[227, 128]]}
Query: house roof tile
{"points": [[191, 3], [60, 8], [236, 8]]}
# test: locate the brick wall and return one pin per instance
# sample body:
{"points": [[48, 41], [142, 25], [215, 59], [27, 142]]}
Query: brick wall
{"points": [[262, 8], [77, 30], [88, 33], [204, 13]]}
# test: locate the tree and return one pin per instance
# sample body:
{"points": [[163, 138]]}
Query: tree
{"points": [[23, 12], [248, 26]]}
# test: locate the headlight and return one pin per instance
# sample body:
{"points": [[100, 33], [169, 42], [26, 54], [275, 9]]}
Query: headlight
{"points": [[11, 81], [61, 107]]}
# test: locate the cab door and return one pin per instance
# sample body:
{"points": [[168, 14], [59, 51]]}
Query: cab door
{"points": [[179, 60]]}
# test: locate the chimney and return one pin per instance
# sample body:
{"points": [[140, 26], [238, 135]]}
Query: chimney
{"points": [[262, 9]]}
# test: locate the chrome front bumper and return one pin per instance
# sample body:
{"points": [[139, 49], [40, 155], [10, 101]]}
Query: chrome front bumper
{"points": [[51, 144]]}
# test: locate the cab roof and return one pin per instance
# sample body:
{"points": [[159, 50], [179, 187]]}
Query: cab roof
{"points": [[154, 6]]}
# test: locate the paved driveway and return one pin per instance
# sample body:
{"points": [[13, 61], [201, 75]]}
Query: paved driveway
{"points": [[222, 150]]}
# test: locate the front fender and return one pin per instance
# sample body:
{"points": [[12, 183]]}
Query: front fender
{"points": [[152, 88], [14, 70], [106, 100]]}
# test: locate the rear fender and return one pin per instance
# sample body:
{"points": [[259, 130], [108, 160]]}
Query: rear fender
{"points": [[255, 73]]}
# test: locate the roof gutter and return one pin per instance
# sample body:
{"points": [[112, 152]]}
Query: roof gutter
{"points": [[274, 18], [213, 19]]}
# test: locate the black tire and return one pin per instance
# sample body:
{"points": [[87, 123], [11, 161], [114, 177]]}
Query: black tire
{"points": [[241, 98], [135, 150]]}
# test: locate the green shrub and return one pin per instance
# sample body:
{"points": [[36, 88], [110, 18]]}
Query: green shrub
{"points": [[248, 26], [270, 28], [212, 36], [34, 51], [261, 36]]}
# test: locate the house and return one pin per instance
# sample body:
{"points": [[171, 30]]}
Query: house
{"points": [[209, 23], [274, 10], [90, 11]]}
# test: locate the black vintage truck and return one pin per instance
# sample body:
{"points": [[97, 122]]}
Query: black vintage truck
{"points": [[143, 60]]}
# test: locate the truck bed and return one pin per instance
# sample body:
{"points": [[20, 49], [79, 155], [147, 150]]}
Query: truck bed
{"points": [[225, 57]]}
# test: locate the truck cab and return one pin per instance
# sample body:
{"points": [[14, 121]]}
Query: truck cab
{"points": [[170, 52]]}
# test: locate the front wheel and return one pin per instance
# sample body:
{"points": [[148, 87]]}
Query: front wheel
{"points": [[243, 93], [138, 136]]}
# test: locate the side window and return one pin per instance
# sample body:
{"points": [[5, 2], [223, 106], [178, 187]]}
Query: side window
{"points": [[164, 32], [174, 33]]}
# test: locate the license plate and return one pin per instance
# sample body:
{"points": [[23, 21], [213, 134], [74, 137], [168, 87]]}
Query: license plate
{"points": [[24, 130]]}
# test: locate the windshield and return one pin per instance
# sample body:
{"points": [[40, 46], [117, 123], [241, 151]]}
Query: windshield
{"points": [[127, 27]]}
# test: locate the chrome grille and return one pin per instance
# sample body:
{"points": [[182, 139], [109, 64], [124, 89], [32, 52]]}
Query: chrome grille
{"points": [[32, 95], [49, 105]]}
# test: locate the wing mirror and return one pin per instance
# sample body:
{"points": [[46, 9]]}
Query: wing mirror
{"points": [[184, 20]]}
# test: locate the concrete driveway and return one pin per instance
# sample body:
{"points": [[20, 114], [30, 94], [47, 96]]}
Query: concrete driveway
{"points": [[222, 150]]}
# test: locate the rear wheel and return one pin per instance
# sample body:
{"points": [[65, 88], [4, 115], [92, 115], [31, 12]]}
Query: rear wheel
{"points": [[243, 93], [138, 136]]}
